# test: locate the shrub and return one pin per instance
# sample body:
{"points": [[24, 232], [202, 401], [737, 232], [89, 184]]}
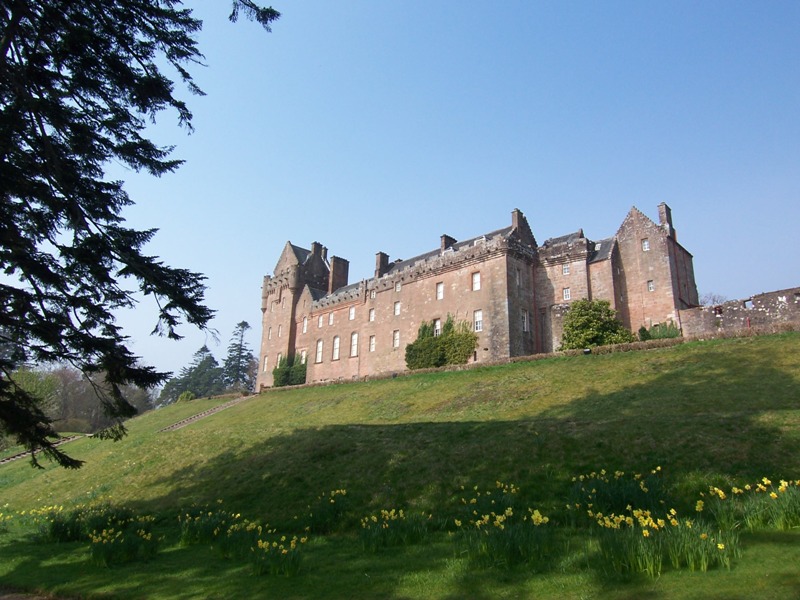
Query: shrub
{"points": [[289, 373], [590, 323], [454, 345], [186, 396]]}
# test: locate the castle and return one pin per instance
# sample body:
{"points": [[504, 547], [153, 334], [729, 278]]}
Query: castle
{"points": [[513, 291]]}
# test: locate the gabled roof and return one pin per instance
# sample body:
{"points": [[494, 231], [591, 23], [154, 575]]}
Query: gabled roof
{"points": [[301, 254]]}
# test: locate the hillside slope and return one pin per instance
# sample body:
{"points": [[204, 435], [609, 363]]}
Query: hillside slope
{"points": [[704, 411]]}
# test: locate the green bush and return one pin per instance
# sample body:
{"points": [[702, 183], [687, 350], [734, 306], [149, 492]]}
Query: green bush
{"points": [[590, 323], [289, 372], [454, 345]]}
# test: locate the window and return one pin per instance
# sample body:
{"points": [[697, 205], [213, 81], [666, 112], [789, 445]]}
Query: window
{"points": [[651, 286], [372, 294], [269, 333], [372, 343], [280, 330], [266, 361], [437, 327], [283, 303], [335, 347], [318, 355], [398, 286], [303, 355], [477, 319], [565, 269], [645, 245], [526, 326], [371, 314], [330, 319], [476, 281], [396, 309], [566, 293], [439, 291], [519, 277], [305, 324], [319, 321], [280, 358], [354, 344], [352, 313], [396, 338]]}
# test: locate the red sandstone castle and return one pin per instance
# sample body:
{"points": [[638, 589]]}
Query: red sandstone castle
{"points": [[513, 291]]}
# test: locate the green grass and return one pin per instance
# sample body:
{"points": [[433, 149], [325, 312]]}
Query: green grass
{"points": [[717, 412]]}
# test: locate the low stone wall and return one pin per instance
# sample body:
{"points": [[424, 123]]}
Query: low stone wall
{"points": [[770, 310]]}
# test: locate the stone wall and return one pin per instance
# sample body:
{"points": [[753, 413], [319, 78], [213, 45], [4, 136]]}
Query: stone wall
{"points": [[770, 309]]}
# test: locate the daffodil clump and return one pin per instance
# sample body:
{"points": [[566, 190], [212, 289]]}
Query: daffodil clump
{"points": [[760, 505], [57, 524], [609, 492], [277, 555], [391, 527], [637, 541], [203, 525], [125, 542], [5, 518], [495, 533], [325, 513]]}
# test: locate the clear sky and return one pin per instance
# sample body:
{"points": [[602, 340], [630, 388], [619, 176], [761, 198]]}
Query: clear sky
{"points": [[378, 126]]}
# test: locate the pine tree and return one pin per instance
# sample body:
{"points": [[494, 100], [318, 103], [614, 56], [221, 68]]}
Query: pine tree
{"points": [[79, 82], [238, 369]]}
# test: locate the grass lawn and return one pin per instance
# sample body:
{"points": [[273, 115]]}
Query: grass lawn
{"points": [[721, 413]]}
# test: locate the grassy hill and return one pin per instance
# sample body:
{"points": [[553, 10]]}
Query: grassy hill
{"points": [[719, 412]]}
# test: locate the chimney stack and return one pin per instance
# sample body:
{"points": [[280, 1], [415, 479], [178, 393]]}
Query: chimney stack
{"points": [[339, 273], [381, 264], [447, 242], [665, 219]]}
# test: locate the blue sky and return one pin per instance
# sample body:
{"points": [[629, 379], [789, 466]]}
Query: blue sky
{"points": [[378, 126]]}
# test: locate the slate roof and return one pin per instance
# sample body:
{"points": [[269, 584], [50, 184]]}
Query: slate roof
{"points": [[602, 250], [570, 238], [402, 264], [301, 253]]}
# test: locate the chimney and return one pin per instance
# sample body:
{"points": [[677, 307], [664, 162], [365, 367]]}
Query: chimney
{"points": [[316, 249], [381, 264], [516, 218], [338, 275], [665, 219], [447, 242]]}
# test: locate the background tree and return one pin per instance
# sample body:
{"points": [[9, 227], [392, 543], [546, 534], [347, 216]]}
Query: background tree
{"points": [[78, 83], [238, 370], [203, 377], [590, 323], [712, 299]]}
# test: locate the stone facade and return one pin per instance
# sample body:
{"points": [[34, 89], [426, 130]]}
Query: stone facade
{"points": [[512, 291]]}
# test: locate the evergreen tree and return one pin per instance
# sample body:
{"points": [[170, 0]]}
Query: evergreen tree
{"points": [[79, 82], [238, 371], [203, 377]]}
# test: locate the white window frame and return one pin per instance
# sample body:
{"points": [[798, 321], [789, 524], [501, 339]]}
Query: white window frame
{"points": [[351, 313], [398, 286], [330, 318], [437, 327], [280, 330], [354, 344], [372, 343], [372, 294], [303, 357], [396, 338], [371, 315], [305, 324], [319, 321], [318, 355], [477, 320], [266, 364], [269, 333], [565, 269], [397, 308], [440, 290], [566, 294], [476, 281], [646, 245], [651, 285], [526, 323], [335, 351]]}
